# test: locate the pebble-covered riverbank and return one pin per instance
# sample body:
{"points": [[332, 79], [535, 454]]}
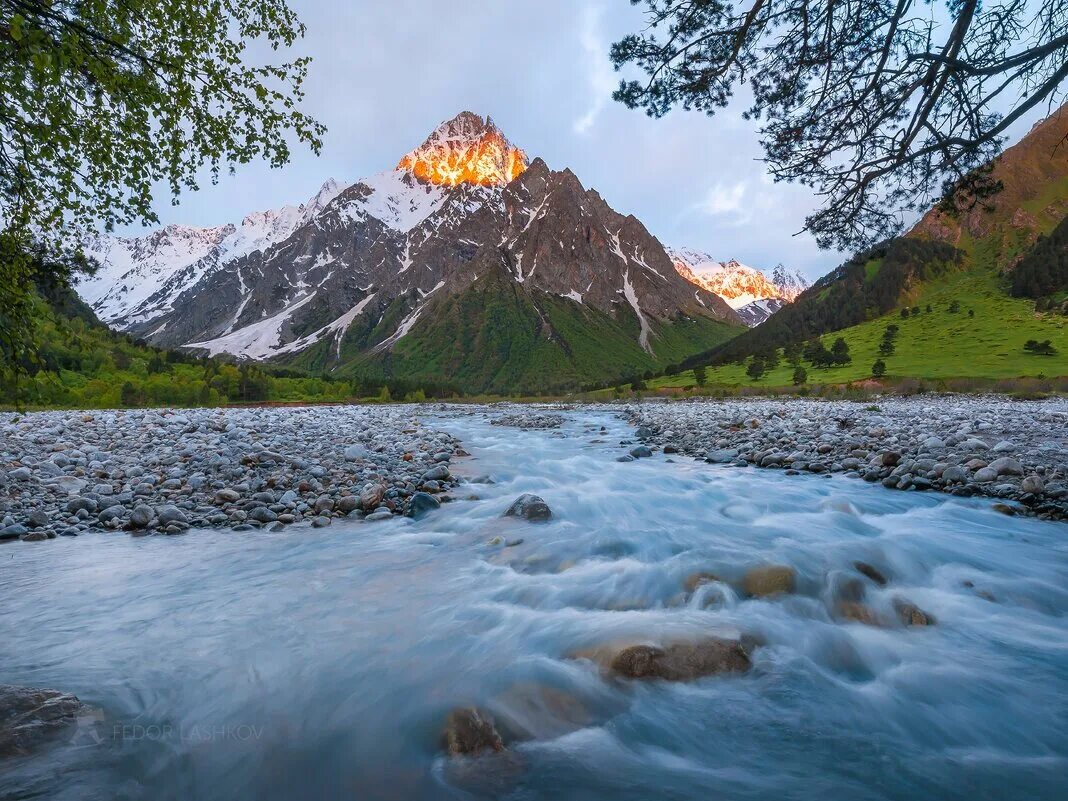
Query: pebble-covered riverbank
{"points": [[1015, 451], [161, 471]]}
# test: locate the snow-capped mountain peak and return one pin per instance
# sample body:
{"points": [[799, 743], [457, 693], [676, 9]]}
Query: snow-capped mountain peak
{"points": [[791, 284], [466, 150], [736, 283]]}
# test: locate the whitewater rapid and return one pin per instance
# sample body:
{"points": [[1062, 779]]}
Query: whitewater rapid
{"points": [[322, 663]]}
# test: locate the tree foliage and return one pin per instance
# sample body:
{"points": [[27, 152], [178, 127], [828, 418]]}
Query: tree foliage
{"points": [[1044, 270], [105, 99], [881, 106]]}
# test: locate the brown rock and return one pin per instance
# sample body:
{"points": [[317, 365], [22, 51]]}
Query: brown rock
{"points": [[29, 716], [471, 731], [870, 572], [697, 579], [681, 661], [857, 611], [372, 496], [769, 580], [912, 615]]}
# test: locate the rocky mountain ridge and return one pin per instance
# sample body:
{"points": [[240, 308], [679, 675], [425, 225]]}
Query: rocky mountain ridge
{"points": [[344, 278]]}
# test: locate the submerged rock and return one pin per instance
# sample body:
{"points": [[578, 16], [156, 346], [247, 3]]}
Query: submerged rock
{"points": [[768, 580], [695, 580], [529, 507], [912, 615], [869, 571], [471, 731], [856, 611], [681, 661], [29, 716]]}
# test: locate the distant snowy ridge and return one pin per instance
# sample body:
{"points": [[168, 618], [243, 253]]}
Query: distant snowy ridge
{"points": [[746, 289], [141, 277]]}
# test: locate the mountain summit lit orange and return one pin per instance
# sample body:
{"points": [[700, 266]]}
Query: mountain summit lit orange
{"points": [[466, 150]]}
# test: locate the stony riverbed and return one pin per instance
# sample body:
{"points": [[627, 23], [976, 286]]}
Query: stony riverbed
{"points": [[1016, 451], [164, 471]]}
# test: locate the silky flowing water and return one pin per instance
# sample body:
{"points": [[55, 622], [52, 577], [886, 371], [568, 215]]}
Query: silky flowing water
{"points": [[321, 664]]}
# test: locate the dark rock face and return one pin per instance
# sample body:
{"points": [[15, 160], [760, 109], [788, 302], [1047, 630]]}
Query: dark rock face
{"points": [[29, 717], [471, 731], [869, 571], [529, 507], [681, 661]]}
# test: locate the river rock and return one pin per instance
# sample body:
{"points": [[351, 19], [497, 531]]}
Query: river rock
{"points": [[420, 504], [371, 496], [13, 532], [769, 580], [29, 717], [1033, 484], [681, 661], [530, 507], [869, 571], [169, 513], [438, 473], [471, 731], [347, 503], [38, 518], [641, 452], [910, 614], [695, 580], [261, 514], [355, 452], [1006, 466], [141, 516]]}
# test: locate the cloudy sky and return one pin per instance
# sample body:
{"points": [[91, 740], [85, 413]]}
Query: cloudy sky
{"points": [[386, 72]]}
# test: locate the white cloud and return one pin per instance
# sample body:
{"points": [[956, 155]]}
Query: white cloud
{"points": [[723, 200], [600, 75]]}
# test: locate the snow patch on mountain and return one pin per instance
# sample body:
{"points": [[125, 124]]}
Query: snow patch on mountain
{"points": [[260, 340], [396, 199]]}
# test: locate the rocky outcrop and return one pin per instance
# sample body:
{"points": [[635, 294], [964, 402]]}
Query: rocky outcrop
{"points": [[681, 661], [30, 717]]}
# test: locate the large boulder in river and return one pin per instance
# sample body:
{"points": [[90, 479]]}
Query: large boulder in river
{"points": [[471, 731], [29, 716], [769, 580], [530, 507], [681, 661]]}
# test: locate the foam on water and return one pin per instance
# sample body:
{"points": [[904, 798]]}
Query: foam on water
{"points": [[342, 650]]}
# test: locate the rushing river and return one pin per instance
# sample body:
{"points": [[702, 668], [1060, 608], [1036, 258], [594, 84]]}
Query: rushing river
{"points": [[321, 664]]}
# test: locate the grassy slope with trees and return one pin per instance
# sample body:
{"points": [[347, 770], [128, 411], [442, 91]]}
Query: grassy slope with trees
{"points": [[80, 363], [935, 344], [500, 338]]}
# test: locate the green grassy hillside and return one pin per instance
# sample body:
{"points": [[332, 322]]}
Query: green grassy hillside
{"points": [[82, 364], [983, 339], [499, 337]]}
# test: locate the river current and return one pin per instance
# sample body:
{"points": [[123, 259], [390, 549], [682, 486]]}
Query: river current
{"points": [[322, 664]]}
